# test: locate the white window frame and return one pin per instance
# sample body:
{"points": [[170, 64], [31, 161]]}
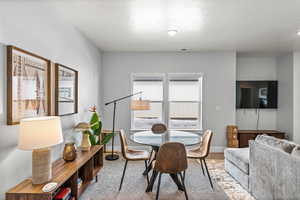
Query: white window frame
{"points": [[186, 76], [165, 77], [149, 76]]}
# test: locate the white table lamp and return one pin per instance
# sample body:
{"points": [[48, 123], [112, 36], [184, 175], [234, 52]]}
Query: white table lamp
{"points": [[39, 134]]}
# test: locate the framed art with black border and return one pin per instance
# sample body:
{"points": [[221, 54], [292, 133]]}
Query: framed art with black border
{"points": [[66, 90]]}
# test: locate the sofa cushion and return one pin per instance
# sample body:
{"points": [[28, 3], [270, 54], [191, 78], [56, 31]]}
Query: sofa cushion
{"points": [[296, 151], [281, 144], [239, 157]]}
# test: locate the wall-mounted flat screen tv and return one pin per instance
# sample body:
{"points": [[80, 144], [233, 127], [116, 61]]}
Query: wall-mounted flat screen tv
{"points": [[256, 94]]}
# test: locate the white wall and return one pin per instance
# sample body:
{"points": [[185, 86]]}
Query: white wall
{"points": [[219, 84], [34, 27], [296, 97], [285, 94], [256, 67], [1, 30]]}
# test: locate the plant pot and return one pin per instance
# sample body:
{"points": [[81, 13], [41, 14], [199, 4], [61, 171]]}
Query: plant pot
{"points": [[69, 153]]}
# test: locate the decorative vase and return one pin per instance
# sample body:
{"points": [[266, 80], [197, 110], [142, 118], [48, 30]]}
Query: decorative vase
{"points": [[85, 143], [69, 152]]}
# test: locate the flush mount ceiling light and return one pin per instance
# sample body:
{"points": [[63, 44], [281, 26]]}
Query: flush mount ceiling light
{"points": [[184, 50], [172, 32], [298, 32]]}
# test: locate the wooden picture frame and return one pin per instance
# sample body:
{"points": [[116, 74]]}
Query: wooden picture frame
{"points": [[28, 85], [67, 95]]}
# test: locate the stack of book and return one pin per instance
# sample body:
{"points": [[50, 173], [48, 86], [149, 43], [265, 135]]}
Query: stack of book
{"points": [[79, 182], [64, 194]]}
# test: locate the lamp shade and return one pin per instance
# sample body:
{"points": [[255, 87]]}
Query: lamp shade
{"points": [[40, 132], [82, 126], [140, 104]]}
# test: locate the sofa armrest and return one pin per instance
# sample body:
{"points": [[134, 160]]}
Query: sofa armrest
{"points": [[274, 174]]}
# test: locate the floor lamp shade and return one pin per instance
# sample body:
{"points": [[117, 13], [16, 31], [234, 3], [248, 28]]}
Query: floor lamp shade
{"points": [[140, 105], [38, 134]]}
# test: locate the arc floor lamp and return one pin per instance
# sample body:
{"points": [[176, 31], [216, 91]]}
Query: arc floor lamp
{"points": [[135, 105]]}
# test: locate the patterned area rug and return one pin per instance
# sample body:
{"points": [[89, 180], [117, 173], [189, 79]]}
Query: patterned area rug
{"points": [[135, 184], [233, 190]]}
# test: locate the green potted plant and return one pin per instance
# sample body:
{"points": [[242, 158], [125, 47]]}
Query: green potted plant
{"points": [[95, 129]]}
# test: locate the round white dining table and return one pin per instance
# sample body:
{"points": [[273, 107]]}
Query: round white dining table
{"points": [[156, 140]]}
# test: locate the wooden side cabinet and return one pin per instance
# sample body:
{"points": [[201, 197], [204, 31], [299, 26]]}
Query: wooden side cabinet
{"points": [[86, 166], [240, 138]]}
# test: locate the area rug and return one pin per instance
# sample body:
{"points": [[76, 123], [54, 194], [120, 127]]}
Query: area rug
{"points": [[135, 184], [233, 190]]}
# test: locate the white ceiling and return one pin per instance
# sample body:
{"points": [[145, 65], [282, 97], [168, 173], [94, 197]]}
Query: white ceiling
{"points": [[203, 25]]}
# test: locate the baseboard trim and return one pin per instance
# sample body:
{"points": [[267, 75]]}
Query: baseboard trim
{"points": [[217, 149]]}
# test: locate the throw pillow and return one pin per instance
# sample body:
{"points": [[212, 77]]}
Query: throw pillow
{"points": [[296, 151]]}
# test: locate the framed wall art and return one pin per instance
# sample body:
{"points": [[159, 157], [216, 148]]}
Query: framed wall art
{"points": [[28, 85], [66, 90]]}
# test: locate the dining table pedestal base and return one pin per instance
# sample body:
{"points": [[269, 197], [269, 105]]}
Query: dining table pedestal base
{"points": [[173, 176]]}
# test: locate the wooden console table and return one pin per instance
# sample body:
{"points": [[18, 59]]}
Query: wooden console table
{"points": [[86, 166], [240, 138]]}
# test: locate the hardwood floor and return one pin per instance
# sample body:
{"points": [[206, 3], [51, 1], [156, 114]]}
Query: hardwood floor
{"points": [[216, 155]]}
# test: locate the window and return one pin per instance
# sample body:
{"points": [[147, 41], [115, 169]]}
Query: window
{"points": [[176, 100], [152, 88], [184, 104]]}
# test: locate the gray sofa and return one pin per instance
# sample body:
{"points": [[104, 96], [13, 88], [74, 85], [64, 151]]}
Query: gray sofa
{"points": [[237, 164], [268, 169]]}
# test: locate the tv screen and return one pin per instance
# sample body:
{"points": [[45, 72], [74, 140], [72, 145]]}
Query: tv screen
{"points": [[256, 94]]}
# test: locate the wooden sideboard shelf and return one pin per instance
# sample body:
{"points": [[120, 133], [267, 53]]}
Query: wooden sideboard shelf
{"points": [[86, 166], [240, 138]]}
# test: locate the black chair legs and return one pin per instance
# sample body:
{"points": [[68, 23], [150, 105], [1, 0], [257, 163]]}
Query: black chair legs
{"points": [[124, 170], [202, 167], [208, 174], [146, 169], [158, 186], [150, 156], [123, 175], [182, 177], [152, 180], [183, 184]]}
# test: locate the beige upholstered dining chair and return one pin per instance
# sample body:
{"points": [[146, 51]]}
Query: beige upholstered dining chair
{"points": [[171, 158], [131, 155], [202, 151]]}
